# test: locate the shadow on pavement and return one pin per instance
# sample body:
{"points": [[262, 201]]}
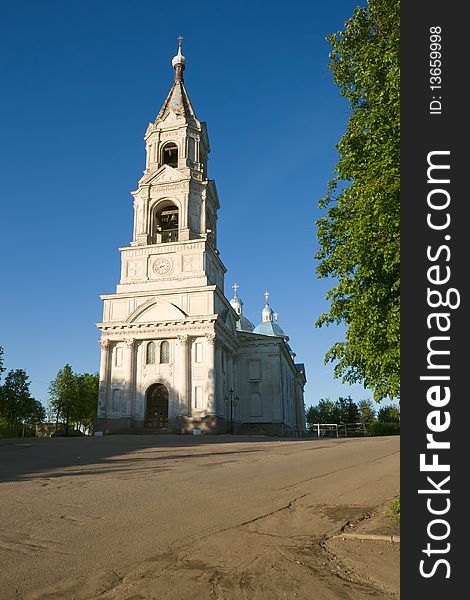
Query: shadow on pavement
{"points": [[33, 458]]}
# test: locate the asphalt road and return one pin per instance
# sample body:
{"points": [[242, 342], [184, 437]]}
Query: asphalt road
{"points": [[137, 517]]}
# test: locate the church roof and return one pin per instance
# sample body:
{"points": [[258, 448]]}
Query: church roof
{"points": [[178, 99], [269, 328], [245, 324]]}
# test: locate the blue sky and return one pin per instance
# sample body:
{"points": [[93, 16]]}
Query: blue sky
{"points": [[81, 81]]}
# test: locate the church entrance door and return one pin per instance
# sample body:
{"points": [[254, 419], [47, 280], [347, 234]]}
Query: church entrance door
{"points": [[157, 407]]}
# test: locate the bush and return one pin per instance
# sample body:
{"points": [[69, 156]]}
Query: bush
{"points": [[378, 428], [395, 507]]}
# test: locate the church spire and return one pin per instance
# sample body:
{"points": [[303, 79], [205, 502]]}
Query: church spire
{"points": [[178, 99]]}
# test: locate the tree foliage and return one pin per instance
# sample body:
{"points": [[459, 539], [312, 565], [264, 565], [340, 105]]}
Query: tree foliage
{"points": [[74, 398], [343, 410], [359, 236], [18, 410], [389, 414], [367, 412], [2, 368]]}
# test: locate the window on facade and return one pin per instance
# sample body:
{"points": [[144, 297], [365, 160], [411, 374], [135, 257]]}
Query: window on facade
{"points": [[164, 352], [170, 155], [118, 356], [198, 397], [150, 359], [198, 352]]}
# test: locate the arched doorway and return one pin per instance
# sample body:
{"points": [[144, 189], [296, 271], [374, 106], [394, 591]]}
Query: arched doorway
{"points": [[156, 414]]}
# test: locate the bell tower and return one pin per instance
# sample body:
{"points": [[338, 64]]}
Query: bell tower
{"points": [[177, 150], [166, 330]]}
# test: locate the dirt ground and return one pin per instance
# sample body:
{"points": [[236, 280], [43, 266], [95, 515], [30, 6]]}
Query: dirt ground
{"points": [[174, 518]]}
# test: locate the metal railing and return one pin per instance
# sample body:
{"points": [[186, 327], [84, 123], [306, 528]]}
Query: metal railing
{"points": [[169, 235]]}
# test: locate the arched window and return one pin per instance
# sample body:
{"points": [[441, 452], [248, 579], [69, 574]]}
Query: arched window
{"points": [[166, 224], [170, 155], [150, 359], [164, 352]]}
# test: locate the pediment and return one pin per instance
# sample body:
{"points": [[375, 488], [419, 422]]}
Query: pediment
{"points": [[164, 174], [156, 310], [171, 117]]}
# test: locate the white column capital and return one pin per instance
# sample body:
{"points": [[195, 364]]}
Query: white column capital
{"points": [[210, 337], [104, 343]]}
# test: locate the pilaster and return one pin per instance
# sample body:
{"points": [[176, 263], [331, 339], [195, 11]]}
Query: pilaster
{"points": [[210, 354], [183, 375], [103, 385], [129, 375]]}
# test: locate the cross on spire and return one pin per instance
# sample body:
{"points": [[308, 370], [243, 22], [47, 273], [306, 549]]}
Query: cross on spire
{"points": [[235, 287], [266, 295], [180, 40]]}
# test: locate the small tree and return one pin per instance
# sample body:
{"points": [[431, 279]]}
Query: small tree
{"points": [[2, 368], [367, 411], [14, 395], [312, 416], [63, 391], [87, 388], [389, 414], [347, 410], [32, 413]]}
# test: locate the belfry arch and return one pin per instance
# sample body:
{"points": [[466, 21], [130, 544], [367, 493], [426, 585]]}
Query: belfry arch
{"points": [[165, 222], [170, 155]]}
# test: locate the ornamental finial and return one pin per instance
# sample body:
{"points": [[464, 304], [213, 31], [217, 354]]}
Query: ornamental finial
{"points": [[179, 60]]}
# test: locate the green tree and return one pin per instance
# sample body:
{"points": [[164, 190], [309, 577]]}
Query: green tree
{"points": [[88, 385], [63, 393], [348, 411], [389, 414], [367, 411], [32, 413], [312, 416], [73, 398], [359, 236], [16, 405], [2, 368]]}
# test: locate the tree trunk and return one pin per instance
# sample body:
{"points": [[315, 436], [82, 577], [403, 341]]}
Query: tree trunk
{"points": [[67, 419]]}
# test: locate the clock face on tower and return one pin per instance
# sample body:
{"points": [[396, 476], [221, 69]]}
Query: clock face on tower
{"points": [[162, 266]]}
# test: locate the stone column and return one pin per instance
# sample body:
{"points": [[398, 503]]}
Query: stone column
{"points": [[183, 376], [129, 376], [210, 356], [103, 388]]}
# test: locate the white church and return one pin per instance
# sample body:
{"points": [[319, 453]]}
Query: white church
{"points": [[176, 354]]}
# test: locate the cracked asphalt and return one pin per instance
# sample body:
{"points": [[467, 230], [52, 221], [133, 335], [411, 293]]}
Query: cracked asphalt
{"points": [[179, 517]]}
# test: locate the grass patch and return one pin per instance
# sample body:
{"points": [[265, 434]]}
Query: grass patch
{"points": [[395, 507]]}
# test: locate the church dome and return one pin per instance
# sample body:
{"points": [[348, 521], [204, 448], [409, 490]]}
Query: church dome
{"points": [[269, 324], [269, 328], [243, 324], [179, 59]]}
